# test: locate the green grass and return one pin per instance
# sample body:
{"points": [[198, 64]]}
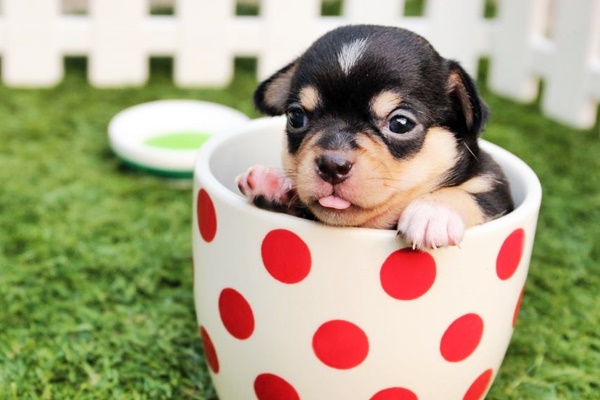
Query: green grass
{"points": [[95, 261]]}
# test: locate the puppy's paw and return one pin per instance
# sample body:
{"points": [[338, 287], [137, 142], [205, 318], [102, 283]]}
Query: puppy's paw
{"points": [[429, 224], [268, 188]]}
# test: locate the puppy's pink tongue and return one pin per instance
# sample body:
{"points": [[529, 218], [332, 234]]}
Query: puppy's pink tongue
{"points": [[334, 202]]}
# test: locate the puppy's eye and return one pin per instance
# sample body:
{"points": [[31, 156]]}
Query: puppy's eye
{"points": [[401, 124], [297, 119]]}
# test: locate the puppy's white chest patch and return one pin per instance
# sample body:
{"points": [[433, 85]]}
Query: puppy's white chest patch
{"points": [[351, 53]]}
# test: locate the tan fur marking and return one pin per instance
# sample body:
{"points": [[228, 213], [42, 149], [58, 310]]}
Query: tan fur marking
{"points": [[384, 103], [478, 184], [309, 98], [455, 84], [278, 90]]}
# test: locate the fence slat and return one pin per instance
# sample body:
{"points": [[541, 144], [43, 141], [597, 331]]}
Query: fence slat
{"points": [[204, 50], [284, 38], [520, 26], [567, 96], [119, 54], [31, 55], [380, 12], [454, 23]]}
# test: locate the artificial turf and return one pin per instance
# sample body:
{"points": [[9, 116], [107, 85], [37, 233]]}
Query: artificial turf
{"points": [[95, 261]]}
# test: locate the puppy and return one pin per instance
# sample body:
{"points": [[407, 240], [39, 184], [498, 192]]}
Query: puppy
{"points": [[382, 132]]}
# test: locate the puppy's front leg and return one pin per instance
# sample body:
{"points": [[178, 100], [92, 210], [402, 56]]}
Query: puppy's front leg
{"points": [[439, 219], [269, 188]]}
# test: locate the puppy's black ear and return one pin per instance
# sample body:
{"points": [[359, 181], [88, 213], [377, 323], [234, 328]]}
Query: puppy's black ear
{"points": [[271, 95], [469, 109]]}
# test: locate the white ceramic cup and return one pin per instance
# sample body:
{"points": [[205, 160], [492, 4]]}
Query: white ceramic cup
{"points": [[293, 309]]}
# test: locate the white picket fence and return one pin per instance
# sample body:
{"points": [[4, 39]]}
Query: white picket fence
{"points": [[557, 41]]}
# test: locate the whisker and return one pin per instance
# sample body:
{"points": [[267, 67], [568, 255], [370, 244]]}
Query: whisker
{"points": [[470, 151]]}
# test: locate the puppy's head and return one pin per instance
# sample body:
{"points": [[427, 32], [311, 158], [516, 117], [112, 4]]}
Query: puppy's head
{"points": [[375, 118]]}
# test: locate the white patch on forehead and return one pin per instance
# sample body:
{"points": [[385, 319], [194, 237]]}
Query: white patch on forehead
{"points": [[351, 53]]}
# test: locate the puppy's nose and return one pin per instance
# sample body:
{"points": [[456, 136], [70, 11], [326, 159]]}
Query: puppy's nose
{"points": [[333, 168]]}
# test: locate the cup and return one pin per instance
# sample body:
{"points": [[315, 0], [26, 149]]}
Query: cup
{"points": [[293, 309]]}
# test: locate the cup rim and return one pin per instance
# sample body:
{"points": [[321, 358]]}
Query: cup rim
{"points": [[202, 172]]}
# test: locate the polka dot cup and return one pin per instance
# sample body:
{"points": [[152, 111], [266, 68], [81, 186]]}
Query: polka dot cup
{"points": [[292, 309]]}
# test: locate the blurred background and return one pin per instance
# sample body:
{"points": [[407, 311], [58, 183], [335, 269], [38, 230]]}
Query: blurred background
{"points": [[95, 257]]}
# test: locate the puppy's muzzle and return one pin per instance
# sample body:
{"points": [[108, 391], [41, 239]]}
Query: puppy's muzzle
{"points": [[333, 168]]}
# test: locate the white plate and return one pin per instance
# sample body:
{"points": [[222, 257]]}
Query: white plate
{"points": [[163, 136]]}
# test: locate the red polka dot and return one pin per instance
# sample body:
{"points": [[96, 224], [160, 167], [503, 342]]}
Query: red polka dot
{"points": [[407, 274], [395, 393], [236, 314], [510, 254], [285, 256], [273, 387], [340, 344], [209, 351], [479, 386], [207, 217], [461, 338], [518, 308]]}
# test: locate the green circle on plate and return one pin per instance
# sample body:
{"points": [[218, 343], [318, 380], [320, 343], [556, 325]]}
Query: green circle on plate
{"points": [[178, 140]]}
